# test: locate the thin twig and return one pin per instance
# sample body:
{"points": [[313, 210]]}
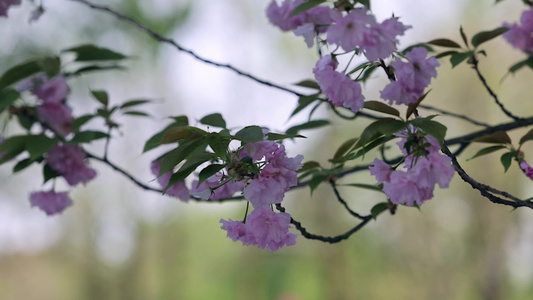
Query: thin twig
{"points": [[451, 114], [343, 202]]}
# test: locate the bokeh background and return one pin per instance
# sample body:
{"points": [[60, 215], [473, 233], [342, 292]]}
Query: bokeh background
{"points": [[121, 242]]}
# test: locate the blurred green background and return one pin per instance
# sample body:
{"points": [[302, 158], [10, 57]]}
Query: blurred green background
{"points": [[120, 242]]}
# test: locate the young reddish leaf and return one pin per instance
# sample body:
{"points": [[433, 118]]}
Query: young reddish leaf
{"points": [[498, 137], [528, 136], [176, 134], [412, 107]]}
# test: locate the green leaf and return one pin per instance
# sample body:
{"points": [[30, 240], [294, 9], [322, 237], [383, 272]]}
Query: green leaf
{"points": [[188, 167], [179, 154], [308, 125], [317, 180], [101, 96], [487, 150], [364, 186], [309, 165], [381, 107], [132, 103], [177, 134], [485, 36], [7, 98], [215, 120], [519, 65], [378, 209], [136, 113], [463, 35], [445, 53], [250, 134], [12, 146], [365, 3], [93, 53], [459, 57], [527, 137], [303, 102], [433, 128], [347, 145], [308, 83], [506, 159], [80, 121], [208, 172], [278, 136], [19, 72], [444, 43], [87, 137], [305, 6], [385, 126], [49, 173], [423, 45], [498, 137], [366, 74], [94, 68], [51, 66], [23, 164], [37, 145], [219, 143]]}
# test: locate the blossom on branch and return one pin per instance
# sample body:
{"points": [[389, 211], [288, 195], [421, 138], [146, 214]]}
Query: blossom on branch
{"points": [[50, 202], [56, 115], [528, 170], [340, 89], [412, 77], [205, 190], [521, 36], [69, 161]]}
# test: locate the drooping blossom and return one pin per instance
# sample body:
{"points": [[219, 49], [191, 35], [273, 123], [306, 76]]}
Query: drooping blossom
{"points": [[305, 24], [359, 30], [340, 89], [204, 190], [521, 36], [5, 4], [56, 115], [412, 77], [50, 202], [414, 184], [69, 161], [275, 178], [52, 91], [178, 190], [528, 170], [263, 228]]}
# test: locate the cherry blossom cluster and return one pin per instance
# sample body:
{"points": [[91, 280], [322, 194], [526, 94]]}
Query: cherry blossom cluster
{"points": [[5, 4], [264, 227], [424, 168], [521, 36]]}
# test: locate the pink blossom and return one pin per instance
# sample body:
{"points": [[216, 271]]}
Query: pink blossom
{"points": [[52, 91], [307, 31], [412, 77], [270, 229], [339, 88], [403, 189], [237, 232], [178, 190], [257, 150], [380, 170], [281, 15], [527, 169], [50, 202], [31, 82], [5, 4], [69, 161], [203, 191], [360, 30], [56, 115], [521, 36], [276, 178]]}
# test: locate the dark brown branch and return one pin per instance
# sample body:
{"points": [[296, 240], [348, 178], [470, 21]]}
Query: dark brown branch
{"points": [[451, 114], [343, 202]]}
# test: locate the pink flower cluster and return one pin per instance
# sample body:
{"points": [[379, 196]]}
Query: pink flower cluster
{"points": [[178, 190], [422, 173], [521, 36], [359, 30], [205, 190], [340, 89], [412, 77], [50, 202], [263, 228], [5, 4], [69, 161], [276, 177], [303, 24], [528, 170], [53, 111]]}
